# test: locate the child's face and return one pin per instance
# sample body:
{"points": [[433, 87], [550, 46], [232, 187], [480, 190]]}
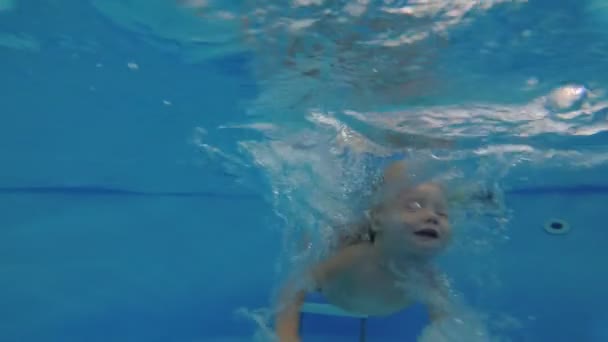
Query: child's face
{"points": [[416, 221]]}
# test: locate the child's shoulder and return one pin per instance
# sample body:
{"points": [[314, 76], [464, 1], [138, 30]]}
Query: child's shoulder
{"points": [[343, 258], [354, 251]]}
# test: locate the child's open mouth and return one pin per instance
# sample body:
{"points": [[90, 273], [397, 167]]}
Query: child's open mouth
{"points": [[427, 233]]}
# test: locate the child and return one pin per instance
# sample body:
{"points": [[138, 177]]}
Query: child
{"points": [[386, 264]]}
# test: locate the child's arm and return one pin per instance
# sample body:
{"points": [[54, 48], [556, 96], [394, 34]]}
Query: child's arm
{"points": [[292, 298], [288, 318]]}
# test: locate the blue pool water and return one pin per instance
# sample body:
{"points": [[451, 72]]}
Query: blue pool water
{"points": [[158, 165]]}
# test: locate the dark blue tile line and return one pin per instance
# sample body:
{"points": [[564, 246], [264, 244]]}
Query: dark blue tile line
{"points": [[106, 191], [583, 189]]}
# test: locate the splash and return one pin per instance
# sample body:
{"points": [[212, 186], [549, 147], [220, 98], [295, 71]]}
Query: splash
{"points": [[261, 319]]}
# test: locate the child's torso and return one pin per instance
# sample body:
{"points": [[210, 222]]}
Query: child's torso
{"points": [[364, 287]]}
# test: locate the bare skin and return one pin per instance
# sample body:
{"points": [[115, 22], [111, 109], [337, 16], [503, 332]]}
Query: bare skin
{"points": [[410, 227]]}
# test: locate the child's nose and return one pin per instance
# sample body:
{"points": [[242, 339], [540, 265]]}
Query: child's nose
{"points": [[431, 218]]}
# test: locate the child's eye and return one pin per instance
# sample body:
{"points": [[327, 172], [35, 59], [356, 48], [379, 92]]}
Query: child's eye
{"points": [[443, 214], [413, 206]]}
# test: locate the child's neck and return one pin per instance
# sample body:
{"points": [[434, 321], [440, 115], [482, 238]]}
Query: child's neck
{"points": [[403, 261]]}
